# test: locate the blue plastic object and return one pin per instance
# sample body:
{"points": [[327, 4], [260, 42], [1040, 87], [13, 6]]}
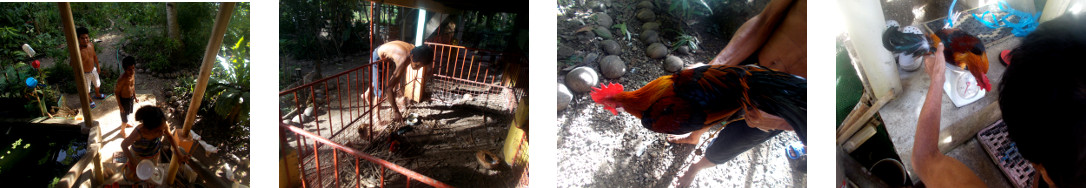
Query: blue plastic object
{"points": [[31, 82], [950, 15], [1026, 22], [796, 150]]}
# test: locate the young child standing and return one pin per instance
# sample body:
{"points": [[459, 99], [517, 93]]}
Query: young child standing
{"points": [[126, 91]]}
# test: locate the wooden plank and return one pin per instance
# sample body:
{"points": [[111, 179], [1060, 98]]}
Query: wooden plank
{"points": [[847, 130]]}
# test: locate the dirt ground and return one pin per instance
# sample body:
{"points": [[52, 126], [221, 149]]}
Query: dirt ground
{"points": [[597, 149], [442, 146]]}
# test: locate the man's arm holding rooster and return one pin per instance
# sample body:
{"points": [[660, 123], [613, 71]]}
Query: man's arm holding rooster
{"points": [[935, 168], [752, 34]]}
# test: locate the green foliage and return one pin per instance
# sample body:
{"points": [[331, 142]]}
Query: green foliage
{"points": [[622, 27], [229, 85], [137, 14], [687, 9], [185, 86], [687, 40], [568, 3], [61, 76], [151, 47], [153, 50], [108, 77], [492, 31], [226, 100], [573, 60], [91, 15], [13, 83], [238, 30], [38, 24], [13, 86], [313, 29]]}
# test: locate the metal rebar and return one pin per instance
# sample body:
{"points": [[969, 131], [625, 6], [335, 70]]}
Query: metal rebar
{"points": [[383, 163], [317, 158], [335, 164]]}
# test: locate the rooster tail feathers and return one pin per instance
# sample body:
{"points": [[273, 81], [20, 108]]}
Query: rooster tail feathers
{"points": [[792, 111], [783, 95], [911, 40], [886, 35]]}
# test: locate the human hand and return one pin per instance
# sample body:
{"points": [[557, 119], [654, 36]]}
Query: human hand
{"points": [[934, 64], [767, 122]]}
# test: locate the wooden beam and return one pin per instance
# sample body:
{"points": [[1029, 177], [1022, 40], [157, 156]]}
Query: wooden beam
{"points": [[81, 85], [217, 32], [859, 116]]}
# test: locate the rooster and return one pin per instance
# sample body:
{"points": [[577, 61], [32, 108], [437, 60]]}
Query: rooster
{"points": [[962, 49], [695, 98], [965, 51], [907, 43]]}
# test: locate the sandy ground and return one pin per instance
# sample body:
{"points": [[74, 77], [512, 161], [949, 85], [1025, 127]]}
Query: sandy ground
{"points": [[597, 149]]}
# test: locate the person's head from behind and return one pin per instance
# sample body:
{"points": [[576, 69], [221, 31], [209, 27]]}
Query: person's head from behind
{"points": [[422, 55], [1043, 100], [129, 64], [83, 35], [153, 119]]}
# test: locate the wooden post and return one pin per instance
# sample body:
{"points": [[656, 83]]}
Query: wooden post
{"points": [[374, 111], [81, 86], [212, 50]]}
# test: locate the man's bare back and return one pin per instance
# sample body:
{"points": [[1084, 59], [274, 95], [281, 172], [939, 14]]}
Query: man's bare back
{"points": [[400, 54]]}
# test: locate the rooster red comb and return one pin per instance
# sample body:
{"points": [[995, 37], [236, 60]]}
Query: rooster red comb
{"points": [[605, 91]]}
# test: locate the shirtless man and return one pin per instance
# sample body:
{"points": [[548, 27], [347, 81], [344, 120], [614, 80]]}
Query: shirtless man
{"points": [[775, 38], [1042, 99], [90, 63], [399, 53]]}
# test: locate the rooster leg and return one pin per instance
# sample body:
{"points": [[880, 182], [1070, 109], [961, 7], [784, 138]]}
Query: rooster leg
{"points": [[691, 138]]}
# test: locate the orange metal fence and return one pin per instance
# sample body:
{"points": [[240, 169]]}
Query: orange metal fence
{"points": [[458, 73], [319, 141]]}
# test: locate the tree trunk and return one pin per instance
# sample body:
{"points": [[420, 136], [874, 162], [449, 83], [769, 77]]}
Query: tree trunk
{"points": [[173, 29]]}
